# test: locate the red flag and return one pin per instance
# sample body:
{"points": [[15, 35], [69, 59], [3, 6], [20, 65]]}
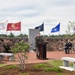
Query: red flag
{"points": [[14, 26]]}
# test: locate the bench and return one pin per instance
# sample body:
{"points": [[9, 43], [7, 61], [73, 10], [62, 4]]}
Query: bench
{"points": [[66, 65], [11, 56]]}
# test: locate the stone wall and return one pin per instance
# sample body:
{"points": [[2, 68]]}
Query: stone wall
{"points": [[57, 44], [53, 44], [12, 40]]}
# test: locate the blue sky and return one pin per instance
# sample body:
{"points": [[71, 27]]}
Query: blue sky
{"points": [[33, 13]]}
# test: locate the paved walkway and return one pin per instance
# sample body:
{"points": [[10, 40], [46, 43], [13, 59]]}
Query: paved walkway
{"points": [[52, 55]]}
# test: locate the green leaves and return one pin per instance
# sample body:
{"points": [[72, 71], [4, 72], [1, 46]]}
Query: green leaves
{"points": [[21, 46], [22, 49]]}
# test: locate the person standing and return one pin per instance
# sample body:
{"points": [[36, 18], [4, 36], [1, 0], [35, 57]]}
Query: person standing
{"points": [[38, 39]]}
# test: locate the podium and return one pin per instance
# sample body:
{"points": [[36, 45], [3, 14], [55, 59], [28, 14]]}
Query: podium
{"points": [[42, 50]]}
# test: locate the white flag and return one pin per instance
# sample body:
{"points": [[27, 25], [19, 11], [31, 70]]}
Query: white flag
{"points": [[3, 25]]}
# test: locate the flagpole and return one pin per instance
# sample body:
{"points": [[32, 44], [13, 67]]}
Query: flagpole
{"points": [[20, 27], [6, 32], [43, 28], [43, 33], [20, 32], [59, 32], [10, 31], [59, 29]]}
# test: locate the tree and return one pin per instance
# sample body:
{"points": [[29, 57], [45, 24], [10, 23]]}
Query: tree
{"points": [[21, 48], [11, 34], [23, 35], [70, 27]]}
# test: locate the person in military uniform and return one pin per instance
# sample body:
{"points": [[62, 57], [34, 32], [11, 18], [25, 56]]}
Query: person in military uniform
{"points": [[37, 40], [68, 46]]}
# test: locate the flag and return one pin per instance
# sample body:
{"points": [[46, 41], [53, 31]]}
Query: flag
{"points": [[14, 26], [56, 29], [41, 27], [3, 25]]}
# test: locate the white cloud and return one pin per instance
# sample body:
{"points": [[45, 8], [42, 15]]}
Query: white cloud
{"points": [[33, 13]]}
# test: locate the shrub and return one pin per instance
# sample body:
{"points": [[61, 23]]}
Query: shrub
{"points": [[40, 66], [10, 66], [52, 69], [21, 48]]}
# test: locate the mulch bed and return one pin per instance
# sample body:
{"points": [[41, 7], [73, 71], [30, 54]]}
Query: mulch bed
{"points": [[31, 71]]}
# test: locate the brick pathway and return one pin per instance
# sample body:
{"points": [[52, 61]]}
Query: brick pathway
{"points": [[52, 55]]}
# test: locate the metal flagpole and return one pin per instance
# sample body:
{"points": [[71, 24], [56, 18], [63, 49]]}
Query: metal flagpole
{"points": [[43, 29], [59, 29], [20, 27], [20, 32], [6, 32]]}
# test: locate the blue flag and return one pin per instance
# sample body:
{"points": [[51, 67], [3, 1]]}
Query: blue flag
{"points": [[41, 27], [56, 29]]}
